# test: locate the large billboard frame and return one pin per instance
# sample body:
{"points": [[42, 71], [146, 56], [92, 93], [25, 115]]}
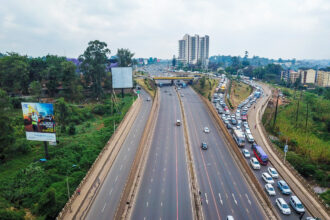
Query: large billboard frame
{"points": [[39, 121], [122, 77]]}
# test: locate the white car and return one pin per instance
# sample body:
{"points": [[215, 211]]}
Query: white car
{"points": [[246, 153], [250, 138], [270, 189], [206, 130], [272, 172], [245, 124], [255, 163], [247, 131], [267, 178], [283, 206]]}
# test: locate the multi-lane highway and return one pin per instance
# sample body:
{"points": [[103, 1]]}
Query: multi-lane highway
{"points": [[107, 200], [164, 192], [223, 188]]}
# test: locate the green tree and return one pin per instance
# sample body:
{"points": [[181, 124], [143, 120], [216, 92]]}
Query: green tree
{"points": [[94, 63], [69, 80], [14, 75], [173, 61], [124, 57], [35, 89], [6, 129], [62, 113], [202, 82]]}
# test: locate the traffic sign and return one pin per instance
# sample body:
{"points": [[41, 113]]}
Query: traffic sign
{"points": [[138, 92]]}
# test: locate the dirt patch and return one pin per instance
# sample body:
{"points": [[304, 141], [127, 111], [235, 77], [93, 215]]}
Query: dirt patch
{"points": [[100, 126]]}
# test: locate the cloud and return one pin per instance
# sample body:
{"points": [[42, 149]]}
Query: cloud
{"points": [[287, 29]]}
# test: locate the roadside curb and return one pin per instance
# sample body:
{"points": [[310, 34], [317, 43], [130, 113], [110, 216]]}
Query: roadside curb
{"points": [[78, 205]]}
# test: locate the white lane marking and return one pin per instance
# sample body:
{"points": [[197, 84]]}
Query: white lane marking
{"points": [[220, 199], [128, 149], [152, 179], [116, 179], [131, 142], [149, 191], [232, 211], [147, 204], [234, 183], [247, 210], [163, 179], [125, 157], [161, 204], [226, 195], [153, 170], [248, 198], [144, 218], [110, 192], [121, 167], [234, 198], [206, 200], [164, 169], [103, 207]]}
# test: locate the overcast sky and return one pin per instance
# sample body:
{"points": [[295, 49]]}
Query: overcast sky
{"points": [[268, 28]]}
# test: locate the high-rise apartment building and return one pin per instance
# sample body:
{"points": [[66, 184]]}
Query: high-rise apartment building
{"points": [[323, 78], [194, 49]]}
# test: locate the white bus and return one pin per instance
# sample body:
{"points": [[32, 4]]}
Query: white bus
{"points": [[239, 137]]}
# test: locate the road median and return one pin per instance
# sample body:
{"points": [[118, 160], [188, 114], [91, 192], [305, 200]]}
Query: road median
{"points": [[194, 188]]}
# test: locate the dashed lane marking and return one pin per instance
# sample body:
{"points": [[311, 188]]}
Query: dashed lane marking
{"points": [[248, 198], [103, 207], [116, 179], [206, 200], [147, 204], [234, 198], [110, 191], [220, 199]]}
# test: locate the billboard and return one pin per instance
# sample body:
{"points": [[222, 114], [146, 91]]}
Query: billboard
{"points": [[122, 77], [39, 121]]}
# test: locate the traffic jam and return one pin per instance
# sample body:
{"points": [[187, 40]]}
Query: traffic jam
{"points": [[237, 124]]}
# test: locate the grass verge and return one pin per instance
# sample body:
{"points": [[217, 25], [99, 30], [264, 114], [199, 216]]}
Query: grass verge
{"points": [[206, 86], [239, 92], [147, 85]]}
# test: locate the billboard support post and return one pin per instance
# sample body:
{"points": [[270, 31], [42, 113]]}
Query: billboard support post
{"points": [[46, 150], [122, 92]]}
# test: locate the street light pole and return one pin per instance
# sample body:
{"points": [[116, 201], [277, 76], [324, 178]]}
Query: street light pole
{"points": [[67, 185]]}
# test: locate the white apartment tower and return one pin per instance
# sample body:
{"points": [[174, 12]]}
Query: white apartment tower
{"points": [[194, 49]]}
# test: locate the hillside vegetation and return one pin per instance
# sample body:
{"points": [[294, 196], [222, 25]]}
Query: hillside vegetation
{"points": [[206, 86], [26, 185], [305, 124], [239, 92]]}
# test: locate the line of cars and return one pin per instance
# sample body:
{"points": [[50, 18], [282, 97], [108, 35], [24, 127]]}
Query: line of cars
{"points": [[241, 132]]}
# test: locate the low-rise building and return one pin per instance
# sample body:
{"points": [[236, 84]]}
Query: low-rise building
{"points": [[307, 76], [323, 78]]}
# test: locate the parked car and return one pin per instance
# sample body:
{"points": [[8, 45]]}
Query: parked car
{"points": [[270, 189], [283, 186], [284, 208], [255, 163], [296, 204], [272, 172], [267, 178]]}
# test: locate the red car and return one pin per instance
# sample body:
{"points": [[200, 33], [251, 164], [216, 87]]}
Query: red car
{"points": [[244, 118]]}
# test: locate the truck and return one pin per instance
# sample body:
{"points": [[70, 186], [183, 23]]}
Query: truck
{"points": [[239, 137]]}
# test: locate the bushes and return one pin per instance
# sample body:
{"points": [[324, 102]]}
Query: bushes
{"points": [[326, 196], [11, 215]]}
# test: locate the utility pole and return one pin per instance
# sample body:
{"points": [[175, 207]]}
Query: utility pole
{"points": [[278, 96]]}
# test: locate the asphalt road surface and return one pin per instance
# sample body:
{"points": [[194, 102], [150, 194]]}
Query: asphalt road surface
{"points": [[223, 188], [107, 200], [164, 191]]}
